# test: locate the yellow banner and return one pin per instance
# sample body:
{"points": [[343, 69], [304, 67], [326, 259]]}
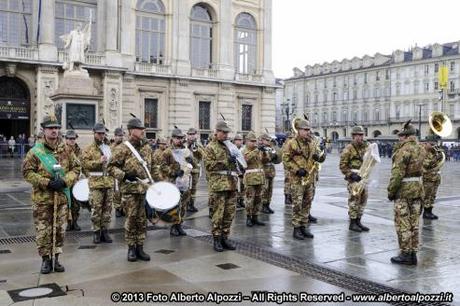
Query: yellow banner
{"points": [[443, 77]]}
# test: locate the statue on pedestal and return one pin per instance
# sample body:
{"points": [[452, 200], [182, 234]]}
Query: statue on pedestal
{"points": [[77, 42]]}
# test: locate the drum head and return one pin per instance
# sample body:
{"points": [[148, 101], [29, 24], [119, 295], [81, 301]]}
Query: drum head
{"points": [[163, 196], [80, 190]]}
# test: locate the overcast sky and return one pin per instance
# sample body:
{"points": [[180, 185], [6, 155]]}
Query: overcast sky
{"points": [[306, 32]]}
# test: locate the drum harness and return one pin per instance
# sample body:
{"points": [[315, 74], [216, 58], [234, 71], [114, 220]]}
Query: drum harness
{"points": [[141, 161]]}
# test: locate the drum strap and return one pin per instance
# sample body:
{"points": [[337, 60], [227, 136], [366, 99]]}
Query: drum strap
{"points": [[139, 158]]}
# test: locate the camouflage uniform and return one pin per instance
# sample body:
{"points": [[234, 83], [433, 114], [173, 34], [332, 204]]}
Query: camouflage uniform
{"points": [[74, 212], [406, 189], [197, 157], [223, 186], [116, 186], [298, 156], [240, 192], [287, 181], [431, 179], [270, 173], [100, 187], [156, 159], [43, 197]]}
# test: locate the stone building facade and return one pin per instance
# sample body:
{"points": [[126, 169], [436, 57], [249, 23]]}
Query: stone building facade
{"points": [[379, 92], [169, 62]]}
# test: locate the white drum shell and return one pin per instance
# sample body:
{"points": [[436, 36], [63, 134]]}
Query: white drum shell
{"points": [[80, 190], [163, 196]]}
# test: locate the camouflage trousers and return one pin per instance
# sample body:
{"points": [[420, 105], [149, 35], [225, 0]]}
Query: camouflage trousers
{"points": [[302, 196], [407, 216], [431, 189], [267, 191], [136, 219], [74, 209], [240, 194], [101, 207], [287, 183], [195, 179], [356, 203], [43, 219], [224, 207], [184, 200], [117, 197], [253, 199]]}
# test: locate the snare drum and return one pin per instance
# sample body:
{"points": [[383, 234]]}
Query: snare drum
{"points": [[80, 191], [164, 198]]}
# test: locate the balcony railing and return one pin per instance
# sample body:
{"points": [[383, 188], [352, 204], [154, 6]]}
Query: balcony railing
{"points": [[248, 77], [91, 58], [210, 72], [19, 52], [152, 68]]}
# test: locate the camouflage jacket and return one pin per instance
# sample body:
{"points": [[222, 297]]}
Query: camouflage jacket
{"points": [[35, 173], [254, 160], [216, 162], [156, 160], [124, 162], [197, 156], [433, 158], [297, 154], [407, 163], [168, 166], [75, 149], [352, 158], [91, 162], [268, 159]]}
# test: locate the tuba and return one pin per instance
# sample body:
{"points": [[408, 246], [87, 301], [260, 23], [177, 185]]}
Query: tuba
{"points": [[241, 164], [371, 157], [440, 124]]}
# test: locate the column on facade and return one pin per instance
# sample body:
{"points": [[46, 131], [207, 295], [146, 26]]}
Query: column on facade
{"points": [[226, 70], [267, 110], [47, 47], [113, 57], [128, 33], [181, 31], [267, 45]]}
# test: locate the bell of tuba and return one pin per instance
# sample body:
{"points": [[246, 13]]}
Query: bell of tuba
{"points": [[294, 124], [440, 124]]}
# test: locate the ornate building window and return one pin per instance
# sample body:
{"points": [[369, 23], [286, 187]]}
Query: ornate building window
{"points": [[201, 37], [246, 117], [245, 44], [71, 13], [15, 22], [204, 115], [150, 31], [151, 113]]}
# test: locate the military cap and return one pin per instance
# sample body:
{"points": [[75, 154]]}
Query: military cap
{"points": [[176, 132], [408, 130], [71, 134], [238, 137], [135, 123], [162, 140], [265, 136], [99, 128], [357, 130], [50, 121], [192, 131], [251, 136], [222, 126], [118, 132], [303, 124]]}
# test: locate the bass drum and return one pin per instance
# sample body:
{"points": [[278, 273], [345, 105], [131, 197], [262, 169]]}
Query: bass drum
{"points": [[80, 191], [163, 199]]}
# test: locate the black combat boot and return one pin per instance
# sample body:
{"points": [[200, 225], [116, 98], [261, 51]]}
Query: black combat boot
{"points": [[287, 199], [69, 226], [47, 265], [140, 254], [240, 203], [427, 214], [266, 209], [226, 244], [105, 236], [363, 228], [76, 226], [210, 213], [57, 266], [191, 206], [312, 219], [297, 234], [414, 257], [118, 213], [97, 237], [403, 259], [306, 233], [354, 226], [218, 244], [132, 253], [174, 231], [255, 221], [249, 222], [180, 230]]}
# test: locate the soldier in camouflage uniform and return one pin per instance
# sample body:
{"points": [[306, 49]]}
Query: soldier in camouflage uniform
{"points": [[118, 139], [431, 175], [157, 156], [50, 189], [94, 164], [74, 211], [299, 157], [254, 179], [197, 155], [269, 170], [351, 160], [238, 142], [134, 182], [221, 167], [287, 181], [171, 170], [406, 189]]}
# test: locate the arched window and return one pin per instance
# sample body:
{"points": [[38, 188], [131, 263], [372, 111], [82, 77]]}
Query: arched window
{"points": [[150, 31], [245, 44], [201, 37], [15, 22], [68, 15]]}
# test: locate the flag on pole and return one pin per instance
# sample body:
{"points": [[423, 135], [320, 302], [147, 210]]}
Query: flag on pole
{"points": [[443, 76]]}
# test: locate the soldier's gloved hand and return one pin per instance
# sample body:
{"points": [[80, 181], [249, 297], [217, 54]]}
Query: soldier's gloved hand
{"points": [[321, 146], [129, 177], [391, 197], [179, 173], [274, 158], [301, 172], [315, 157], [232, 159], [355, 177], [56, 184], [261, 148], [189, 159]]}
